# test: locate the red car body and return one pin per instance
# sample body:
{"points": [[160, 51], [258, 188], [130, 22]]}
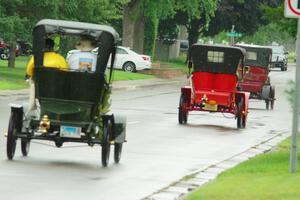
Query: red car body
{"points": [[214, 82]]}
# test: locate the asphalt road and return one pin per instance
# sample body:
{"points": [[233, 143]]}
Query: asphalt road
{"points": [[158, 152]]}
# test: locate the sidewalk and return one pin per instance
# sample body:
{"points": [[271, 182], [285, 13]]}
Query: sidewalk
{"points": [[117, 86]]}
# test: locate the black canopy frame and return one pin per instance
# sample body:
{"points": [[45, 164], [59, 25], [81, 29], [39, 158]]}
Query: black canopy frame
{"points": [[232, 57], [106, 36], [263, 55]]}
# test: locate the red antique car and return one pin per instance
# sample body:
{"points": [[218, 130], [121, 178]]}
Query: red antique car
{"points": [[256, 79], [214, 78]]}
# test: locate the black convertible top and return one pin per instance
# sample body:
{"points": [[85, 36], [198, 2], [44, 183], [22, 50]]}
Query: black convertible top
{"points": [[216, 58], [72, 27], [260, 57], [106, 36]]}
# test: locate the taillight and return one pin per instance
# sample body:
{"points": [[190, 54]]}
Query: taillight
{"points": [[145, 58]]}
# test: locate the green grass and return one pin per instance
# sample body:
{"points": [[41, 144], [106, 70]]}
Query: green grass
{"points": [[13, 78], [178, 63], [125, 76], [291, 57], [265, 177]]}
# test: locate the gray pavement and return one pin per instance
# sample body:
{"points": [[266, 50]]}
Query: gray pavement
{"points": [[159, 152]]}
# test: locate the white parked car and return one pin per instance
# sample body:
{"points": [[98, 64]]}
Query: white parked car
{"points": [[127, 59]]}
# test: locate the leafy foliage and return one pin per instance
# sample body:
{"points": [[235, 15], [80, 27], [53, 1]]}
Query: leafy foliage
{"points": [[276, 15], [247, 16]]}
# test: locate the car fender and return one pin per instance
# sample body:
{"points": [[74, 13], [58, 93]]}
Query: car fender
{"points": [[265, 93], [246, 97], [187, 91], [18, 108], [119, 128]]}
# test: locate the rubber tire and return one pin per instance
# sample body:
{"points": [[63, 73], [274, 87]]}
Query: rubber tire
{"points": [[182, 116], [133, 67], [282, 67], [11, 138], [244, 121], [241, 119], [267, 104], [107, 130], [272, 96], [25, 146], [58, 144], [4, 57], [118, 152]]}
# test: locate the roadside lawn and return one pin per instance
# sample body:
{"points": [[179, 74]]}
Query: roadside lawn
{"points": [[178, 63], [13, 79], [291, 57], [265, 177]]}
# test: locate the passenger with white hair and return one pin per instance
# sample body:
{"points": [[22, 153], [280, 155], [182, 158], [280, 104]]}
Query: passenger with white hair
{"points": [[83, 59]]}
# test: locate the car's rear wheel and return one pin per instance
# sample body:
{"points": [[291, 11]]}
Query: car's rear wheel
{"points": [[25, 146], [13, 128], [118, 152], [182, 111], [283, 67], [241, 119], [267, 104], [129, 67], [107, 131], [272, 97]]}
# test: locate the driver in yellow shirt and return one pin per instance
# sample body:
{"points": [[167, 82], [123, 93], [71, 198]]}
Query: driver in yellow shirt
{"points": [[51, 59]]}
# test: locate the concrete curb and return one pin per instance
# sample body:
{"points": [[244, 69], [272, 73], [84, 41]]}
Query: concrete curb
{"points": [[180, 189]]}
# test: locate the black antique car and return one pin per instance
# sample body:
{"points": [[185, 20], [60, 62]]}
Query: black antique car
{"points": [[256, 79], [70, 104]]}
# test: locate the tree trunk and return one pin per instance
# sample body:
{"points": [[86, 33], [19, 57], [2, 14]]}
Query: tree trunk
{"points": [[139, 34], [193, 32], [133, 27], [128, 28], [12, 54]]}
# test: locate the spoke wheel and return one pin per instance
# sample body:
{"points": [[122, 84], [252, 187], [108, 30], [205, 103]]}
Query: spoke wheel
{"points": [[267, 104], [25, 146], [118, 152], [241, 119], [11, 136], [107, 130], [182, 111], [272, 96]]}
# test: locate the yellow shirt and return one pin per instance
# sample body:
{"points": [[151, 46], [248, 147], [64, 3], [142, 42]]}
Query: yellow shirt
{"points": [[51, 59]]}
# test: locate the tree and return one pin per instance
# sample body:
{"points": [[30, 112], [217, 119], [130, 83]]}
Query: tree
{"points": [[276, 16], [12, 26], [18, 17], [195, 15], [135, 15], [247, 16]]}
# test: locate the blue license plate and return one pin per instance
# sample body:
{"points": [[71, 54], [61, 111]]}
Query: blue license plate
{"points": [[70, 131]]}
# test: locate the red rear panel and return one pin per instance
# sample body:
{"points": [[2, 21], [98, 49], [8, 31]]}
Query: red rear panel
{"points": [[218, 87], [257, 74], [255, 79]]}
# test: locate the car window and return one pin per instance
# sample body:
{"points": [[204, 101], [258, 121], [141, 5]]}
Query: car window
{"points": [[215, 56], [278, 50], [250, 55], [121, 51]]}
